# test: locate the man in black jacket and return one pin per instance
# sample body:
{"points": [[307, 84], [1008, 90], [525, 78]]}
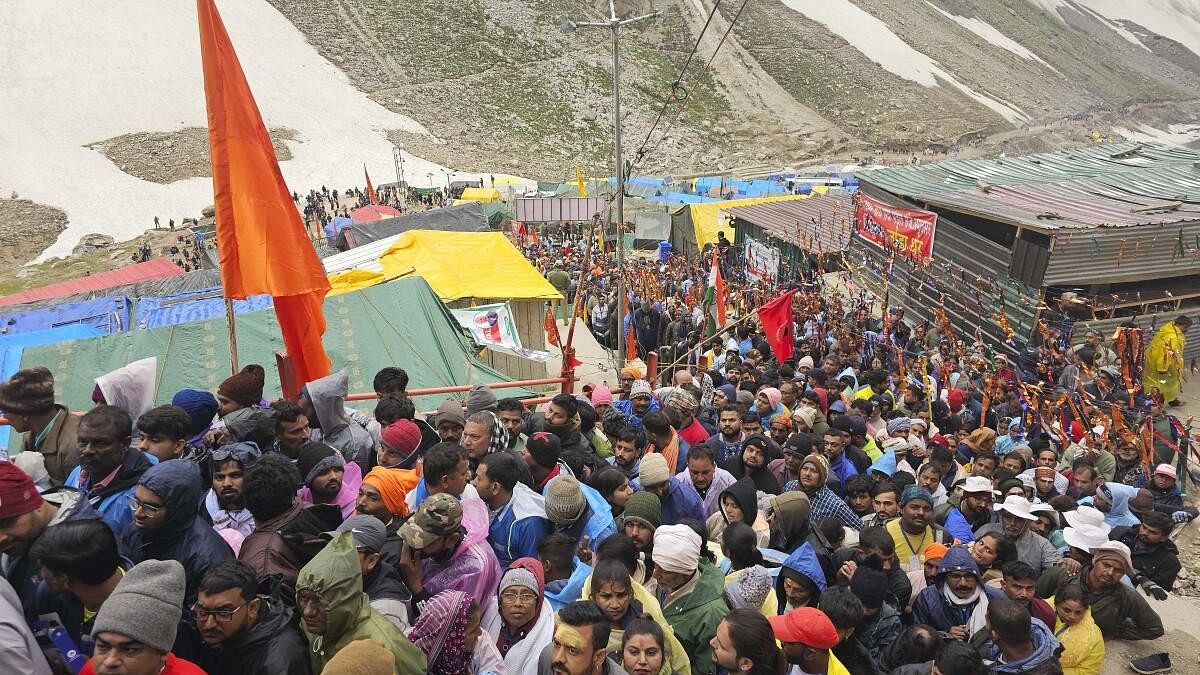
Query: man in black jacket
{"points": [[245, 633], [1154, 554]]}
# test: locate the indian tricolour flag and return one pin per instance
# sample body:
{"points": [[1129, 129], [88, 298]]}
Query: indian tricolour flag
{"points": [[714, 299]]}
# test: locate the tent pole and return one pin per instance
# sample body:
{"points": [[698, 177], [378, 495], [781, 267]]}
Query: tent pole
{"points": [[229, 323]]}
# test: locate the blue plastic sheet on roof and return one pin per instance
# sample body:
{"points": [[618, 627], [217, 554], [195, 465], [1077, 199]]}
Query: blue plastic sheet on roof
{"points": [[107, 314], [171, 310], [333, 227], [13, 346]]}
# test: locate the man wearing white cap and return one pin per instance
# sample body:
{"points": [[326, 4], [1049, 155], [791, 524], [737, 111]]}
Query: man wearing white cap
{"points": [[641, 401], [1120, 611], [1015, 517], [691, 592], [974, 509]]}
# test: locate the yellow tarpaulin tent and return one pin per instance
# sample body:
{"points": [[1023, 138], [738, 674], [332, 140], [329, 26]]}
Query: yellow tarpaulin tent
{"points": [[709, 218], [466, 265], [481, 195], [353, 280]]}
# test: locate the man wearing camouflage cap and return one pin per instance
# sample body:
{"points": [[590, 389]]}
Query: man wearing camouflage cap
{"points": [[446, 549]]}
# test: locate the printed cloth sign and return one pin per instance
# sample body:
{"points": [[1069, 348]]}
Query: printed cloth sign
{"points": [[492, 326], [762, 261], [909, 231]]}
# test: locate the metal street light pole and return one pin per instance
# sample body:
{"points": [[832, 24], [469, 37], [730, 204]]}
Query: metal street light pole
{"points": [[614, 24], [400, 186]]}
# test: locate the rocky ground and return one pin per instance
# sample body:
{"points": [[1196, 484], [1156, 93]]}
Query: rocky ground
{"points": [[28, 228], [167, 157]]}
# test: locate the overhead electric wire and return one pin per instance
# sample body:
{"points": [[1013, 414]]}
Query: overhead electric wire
{"points": [[677, 85]]}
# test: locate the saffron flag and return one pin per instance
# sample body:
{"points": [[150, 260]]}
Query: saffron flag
{"points": [[374, 198], [776, 318], [714, 299], [261, 239], [551, 326], [579, 182]]}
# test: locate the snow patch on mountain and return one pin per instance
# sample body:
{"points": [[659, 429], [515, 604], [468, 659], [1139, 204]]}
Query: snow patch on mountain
{"points": [[876, 41], [993, 36]]}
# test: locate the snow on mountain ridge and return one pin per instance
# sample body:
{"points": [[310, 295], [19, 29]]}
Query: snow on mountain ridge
{"points": [[878, 42]]}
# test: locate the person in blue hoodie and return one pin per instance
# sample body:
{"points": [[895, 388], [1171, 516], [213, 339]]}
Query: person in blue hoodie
{"points": [[167, 524], [1018, 643], [957, 602], [1113, 500], [518, 514], [565, 573], [801, 581]]}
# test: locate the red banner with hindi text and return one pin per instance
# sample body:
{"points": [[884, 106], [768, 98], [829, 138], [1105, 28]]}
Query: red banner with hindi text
{"points": [[909, 231]]}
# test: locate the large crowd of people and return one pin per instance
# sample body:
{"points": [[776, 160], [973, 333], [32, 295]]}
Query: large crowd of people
{"points": [[889, 498]]}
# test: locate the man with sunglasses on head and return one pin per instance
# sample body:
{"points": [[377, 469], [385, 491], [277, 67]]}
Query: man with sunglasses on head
{"points": [[243, 632], [224, 502]]}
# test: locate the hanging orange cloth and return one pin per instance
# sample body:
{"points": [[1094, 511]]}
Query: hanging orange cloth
{"points": [[260, 237]]}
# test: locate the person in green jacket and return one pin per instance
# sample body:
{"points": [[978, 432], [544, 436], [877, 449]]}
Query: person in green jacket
{"points": [[335, 611], [691, 592]]}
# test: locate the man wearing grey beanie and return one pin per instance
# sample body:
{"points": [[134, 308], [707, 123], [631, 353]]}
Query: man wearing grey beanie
{"points": [[136, 625]]}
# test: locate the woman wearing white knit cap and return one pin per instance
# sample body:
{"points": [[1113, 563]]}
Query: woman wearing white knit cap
{"points": [[691, 591]]}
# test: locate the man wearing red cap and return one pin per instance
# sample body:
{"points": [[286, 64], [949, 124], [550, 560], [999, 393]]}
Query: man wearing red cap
{"points": [[807, 635], [24, 517]]}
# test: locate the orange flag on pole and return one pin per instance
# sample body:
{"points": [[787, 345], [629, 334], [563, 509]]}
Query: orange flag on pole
{"points": [[260, 237], [374, 198]]}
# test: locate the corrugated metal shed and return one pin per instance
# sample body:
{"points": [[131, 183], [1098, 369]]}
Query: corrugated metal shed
{"points": [[820, 224], [365, 257], [152, 269]]}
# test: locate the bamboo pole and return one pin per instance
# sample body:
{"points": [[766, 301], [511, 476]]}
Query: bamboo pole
{"points": [[229, 323]]}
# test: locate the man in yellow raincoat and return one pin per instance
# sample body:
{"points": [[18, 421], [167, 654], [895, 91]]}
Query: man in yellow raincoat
{"points": [[1164, 360]]}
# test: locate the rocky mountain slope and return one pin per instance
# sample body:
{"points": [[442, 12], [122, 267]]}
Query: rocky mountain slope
{"points": [[794, 80]]}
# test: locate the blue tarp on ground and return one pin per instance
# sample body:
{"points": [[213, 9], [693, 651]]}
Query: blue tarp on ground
{"points": [[172, 310], [681, 198], [109, 314], [13, 346]]}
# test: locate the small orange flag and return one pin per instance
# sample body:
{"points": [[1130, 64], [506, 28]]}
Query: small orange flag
{"points": [[551, 326], [374, 198], [261, 239]]}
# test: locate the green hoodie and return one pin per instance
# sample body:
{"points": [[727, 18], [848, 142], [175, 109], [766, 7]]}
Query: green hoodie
{"points": [[335, 576]]}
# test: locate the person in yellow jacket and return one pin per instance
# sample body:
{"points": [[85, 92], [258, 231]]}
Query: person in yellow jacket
{"points": [[1083, 644], [1164, 360], [622, 599]]}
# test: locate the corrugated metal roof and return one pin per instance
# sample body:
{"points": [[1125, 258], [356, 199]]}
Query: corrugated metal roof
{"points": [[820, 224], [1070, 204], [152, 269], [1136, 162], [365, 257]]}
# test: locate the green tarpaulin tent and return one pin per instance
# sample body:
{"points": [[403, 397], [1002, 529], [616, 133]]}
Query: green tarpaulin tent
{"points": [[400, 323]]}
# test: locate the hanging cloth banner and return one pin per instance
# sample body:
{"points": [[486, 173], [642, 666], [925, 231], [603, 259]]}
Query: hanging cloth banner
{"points": [[909, 231], [762, 261], [492, 326]]}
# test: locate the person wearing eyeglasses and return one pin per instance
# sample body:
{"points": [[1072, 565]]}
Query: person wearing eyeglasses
{"points": [[244, 633], [167, 525]]}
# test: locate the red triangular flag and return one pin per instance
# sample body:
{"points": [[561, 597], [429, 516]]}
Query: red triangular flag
{"points": [[776, 318], [263, 244], [374, 198]]}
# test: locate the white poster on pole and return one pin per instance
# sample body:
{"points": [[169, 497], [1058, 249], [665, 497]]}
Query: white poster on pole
{"points": [[762, 261], [493, 327]]}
